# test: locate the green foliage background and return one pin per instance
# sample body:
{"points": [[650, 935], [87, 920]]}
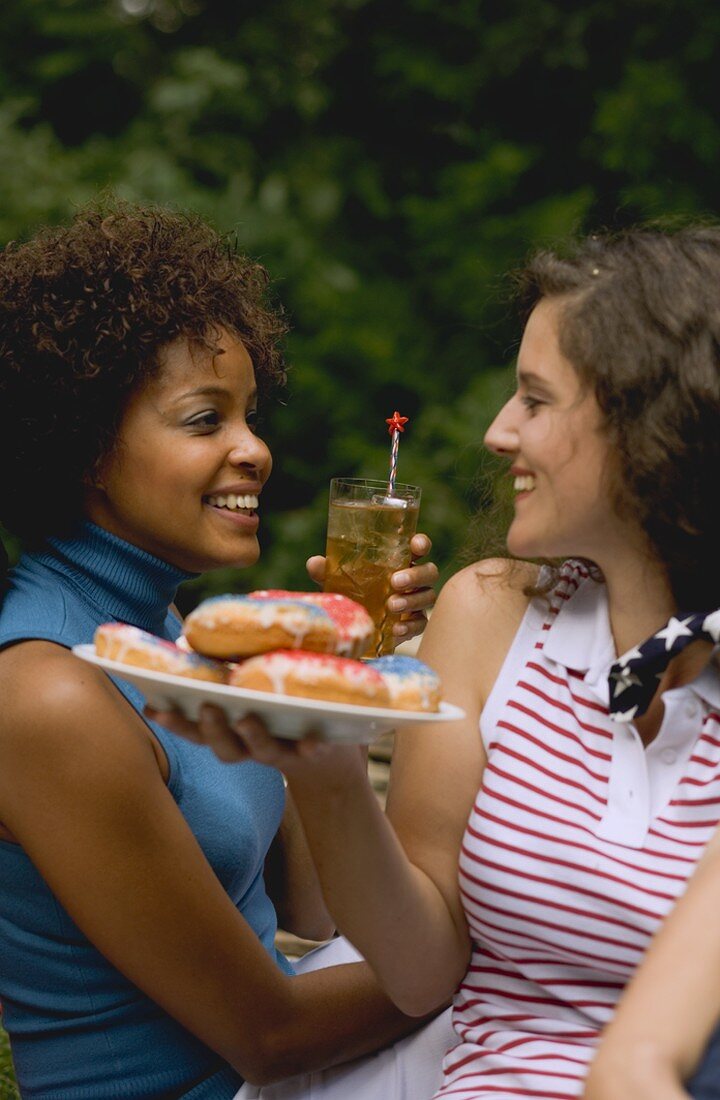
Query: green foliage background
{"points": [[389, 161]]}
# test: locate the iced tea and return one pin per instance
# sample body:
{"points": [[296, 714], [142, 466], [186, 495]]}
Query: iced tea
{"points": [[368, 540]]}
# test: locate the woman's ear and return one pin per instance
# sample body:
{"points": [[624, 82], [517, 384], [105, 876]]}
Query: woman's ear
{"points": [[94, 477], [92, 480]]}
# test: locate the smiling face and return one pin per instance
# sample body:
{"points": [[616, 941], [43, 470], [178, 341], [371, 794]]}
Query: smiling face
{"points": [[552, 432], [184, 478]]}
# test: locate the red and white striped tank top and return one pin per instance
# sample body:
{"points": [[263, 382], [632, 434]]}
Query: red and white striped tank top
{"points": [[579, 843]]}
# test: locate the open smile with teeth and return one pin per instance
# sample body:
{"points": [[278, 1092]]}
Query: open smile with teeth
{"points": [[233, 503], [524, 483]]}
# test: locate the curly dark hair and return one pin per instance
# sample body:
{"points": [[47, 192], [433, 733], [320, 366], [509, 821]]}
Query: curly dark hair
{"points": [[641, 325], [85, 310]]}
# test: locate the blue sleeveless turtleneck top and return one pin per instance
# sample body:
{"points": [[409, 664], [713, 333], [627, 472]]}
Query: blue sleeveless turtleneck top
{"points": [[79, 1030]]}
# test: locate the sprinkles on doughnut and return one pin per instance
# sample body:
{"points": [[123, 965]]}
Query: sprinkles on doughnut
{"points": [[412, 684], [313, 676], [230, 627], [131, 646], [352, 622]]}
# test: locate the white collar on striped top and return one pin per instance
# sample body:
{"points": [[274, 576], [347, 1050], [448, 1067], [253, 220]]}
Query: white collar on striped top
{"points": [[580, 638]]}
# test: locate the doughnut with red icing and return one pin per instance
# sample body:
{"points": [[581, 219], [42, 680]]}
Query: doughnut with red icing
{"points": [[352, 622], [412, 684], [131, 646], [231, 627], [313, 676]]}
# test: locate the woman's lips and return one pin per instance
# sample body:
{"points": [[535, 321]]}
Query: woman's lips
{"points": [[248, 520]]}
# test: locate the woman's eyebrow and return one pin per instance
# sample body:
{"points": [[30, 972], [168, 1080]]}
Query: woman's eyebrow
{"points": [[212, 391], [530, 378]]}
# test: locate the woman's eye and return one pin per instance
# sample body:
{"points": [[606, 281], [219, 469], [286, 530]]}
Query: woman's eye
{"points": [[208, 419], [530, 402], [253, 420]]}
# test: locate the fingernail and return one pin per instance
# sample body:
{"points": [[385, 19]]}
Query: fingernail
{"points": [[400, 630], [401, 580], [397, 603]]}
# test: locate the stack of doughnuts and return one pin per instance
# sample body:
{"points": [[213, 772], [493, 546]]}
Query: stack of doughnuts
{"points": [[292, 643]]}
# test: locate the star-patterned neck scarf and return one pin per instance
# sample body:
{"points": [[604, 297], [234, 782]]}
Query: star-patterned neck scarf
{"points": [[634, 677]]}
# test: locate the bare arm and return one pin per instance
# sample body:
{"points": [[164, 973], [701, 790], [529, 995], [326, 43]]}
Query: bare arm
{"points": [[292, 883], [395, 894], [94, 815], [665, 1018]]}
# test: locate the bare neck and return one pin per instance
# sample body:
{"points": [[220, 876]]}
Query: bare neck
{"points": [[639, 599]]}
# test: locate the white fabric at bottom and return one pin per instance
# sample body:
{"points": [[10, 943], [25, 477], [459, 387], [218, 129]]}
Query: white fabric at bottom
{"points": [[410, 1069]]}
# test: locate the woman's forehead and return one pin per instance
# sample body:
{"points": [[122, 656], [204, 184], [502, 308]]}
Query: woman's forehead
{"points": [[190, 365], [540, 357]]}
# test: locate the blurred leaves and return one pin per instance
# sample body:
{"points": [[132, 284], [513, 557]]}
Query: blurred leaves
{"points": [[389, 162]]}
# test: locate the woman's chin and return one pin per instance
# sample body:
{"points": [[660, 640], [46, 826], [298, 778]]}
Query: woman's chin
{"points": [[520, 545], [228, 558]]}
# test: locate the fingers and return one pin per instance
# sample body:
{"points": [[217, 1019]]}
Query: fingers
{"points": [[176, 722], [420, 545], [220, 737], [416, 576], [275, 752], [210, 729], [413, 596], [410, 627], [410, 602], [316, 568], [246, 739]]}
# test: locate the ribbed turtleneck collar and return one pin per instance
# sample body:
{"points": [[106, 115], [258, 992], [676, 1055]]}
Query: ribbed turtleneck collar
{"points": [[129, 584]]}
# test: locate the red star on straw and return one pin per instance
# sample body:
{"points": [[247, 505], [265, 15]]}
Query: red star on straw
{"points": [[395, 422]]}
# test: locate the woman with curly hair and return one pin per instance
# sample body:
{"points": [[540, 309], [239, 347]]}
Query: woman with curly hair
{"points": [[139, 876], [581, 796]]}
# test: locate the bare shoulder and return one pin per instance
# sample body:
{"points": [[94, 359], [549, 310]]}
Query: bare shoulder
{"points": [[489, 592], [493, 581], [51, 696], [475, 620]]}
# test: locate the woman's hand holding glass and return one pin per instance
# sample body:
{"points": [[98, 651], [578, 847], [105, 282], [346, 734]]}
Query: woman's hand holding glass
{"points": [[413, 593]]}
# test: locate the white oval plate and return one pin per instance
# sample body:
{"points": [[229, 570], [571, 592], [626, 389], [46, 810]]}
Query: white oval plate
{"points": [[285, 715]]}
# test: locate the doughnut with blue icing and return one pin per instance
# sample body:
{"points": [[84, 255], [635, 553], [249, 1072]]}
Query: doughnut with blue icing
{"points": [[412, 684], [354, 625]]}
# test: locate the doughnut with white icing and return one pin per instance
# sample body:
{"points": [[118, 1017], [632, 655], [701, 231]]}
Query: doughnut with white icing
{"points": [[412, 684], [313, 676], [131, 646], [232, 627], [353, 623]]}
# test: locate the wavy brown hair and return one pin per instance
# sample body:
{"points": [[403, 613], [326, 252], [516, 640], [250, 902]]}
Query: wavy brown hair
{"points": [[641, 324], [85, 310]]}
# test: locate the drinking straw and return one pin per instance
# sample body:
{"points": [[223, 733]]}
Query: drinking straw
{"points": [[396, 424]]}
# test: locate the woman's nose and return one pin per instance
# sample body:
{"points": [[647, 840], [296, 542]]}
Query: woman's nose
{"points": [[501, 437], [250, 450]]}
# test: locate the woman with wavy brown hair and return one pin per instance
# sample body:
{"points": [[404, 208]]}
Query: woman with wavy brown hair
{"points": [[550, 862], [139, 876]]}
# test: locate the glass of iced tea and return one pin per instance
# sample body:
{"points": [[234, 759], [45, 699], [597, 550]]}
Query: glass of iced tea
{"points": [[368, 540]]}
